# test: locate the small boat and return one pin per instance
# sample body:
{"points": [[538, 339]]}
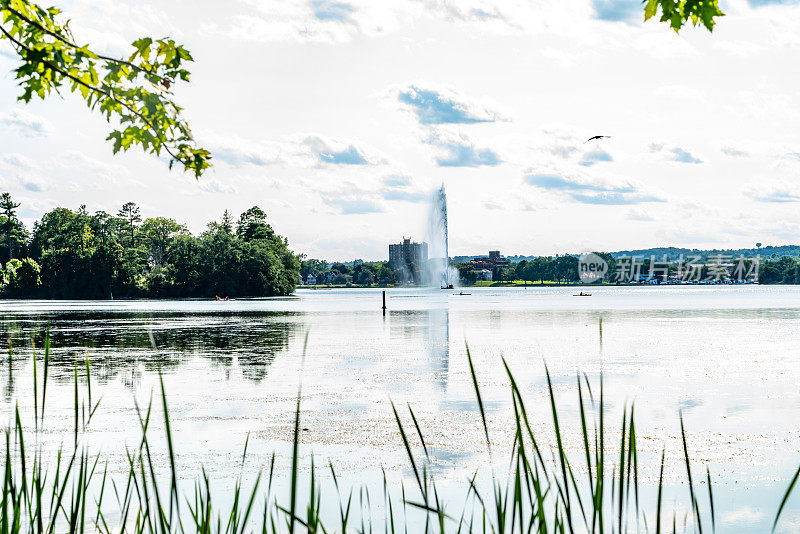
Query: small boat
{"points": [[448, 286], [582, 294], [462, 294]]}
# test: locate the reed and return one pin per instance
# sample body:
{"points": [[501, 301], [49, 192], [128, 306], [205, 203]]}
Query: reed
{"points": [[539, 494]]}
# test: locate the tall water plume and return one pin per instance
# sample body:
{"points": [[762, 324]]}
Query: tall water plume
{"points": [[440, 272]]}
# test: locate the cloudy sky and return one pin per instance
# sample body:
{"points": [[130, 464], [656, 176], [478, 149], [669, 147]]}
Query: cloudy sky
{"points": [[339, 117]]}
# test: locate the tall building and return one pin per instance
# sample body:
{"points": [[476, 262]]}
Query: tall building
{"points": [[408, 252]]}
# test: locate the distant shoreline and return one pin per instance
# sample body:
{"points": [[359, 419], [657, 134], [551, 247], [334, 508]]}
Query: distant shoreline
{"points": [[519, 283]]}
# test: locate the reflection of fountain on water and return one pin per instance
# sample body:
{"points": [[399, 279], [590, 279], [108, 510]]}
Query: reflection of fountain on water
{"points": [[428, 329], [440, 272], [439, 344]]}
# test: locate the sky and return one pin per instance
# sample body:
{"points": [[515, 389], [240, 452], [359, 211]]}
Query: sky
{"points": [[340, 117]]}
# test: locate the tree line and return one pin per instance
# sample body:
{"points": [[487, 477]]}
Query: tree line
{"points": [[81, 255], [360, 273], [564, 269], [560, 269]]}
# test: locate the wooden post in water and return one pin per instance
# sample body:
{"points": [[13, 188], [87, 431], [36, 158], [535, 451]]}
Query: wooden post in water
{"points": [[384, 302]]}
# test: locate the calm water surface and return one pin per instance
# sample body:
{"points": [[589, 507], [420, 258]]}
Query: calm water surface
{"points": [[728, 358]]}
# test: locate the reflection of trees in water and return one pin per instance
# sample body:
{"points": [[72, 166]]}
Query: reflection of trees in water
{"points": [[8, 391], [125, 345]]}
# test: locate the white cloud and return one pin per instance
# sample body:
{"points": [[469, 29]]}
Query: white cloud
{"points": [[734, 152], [349, 198], [352, 201], [777, 192], [640, 215], [297, 151], [315, 20], [434, 103], [675, 153], [26, 123], [75, 159], [456, 149], [337, 21], [333, 151], [238, 152], [283, 95], [216, 186], [591, 190], [17, 162]]}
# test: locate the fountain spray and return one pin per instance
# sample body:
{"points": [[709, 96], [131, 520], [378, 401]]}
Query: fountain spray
{"points": [[440, 272]]}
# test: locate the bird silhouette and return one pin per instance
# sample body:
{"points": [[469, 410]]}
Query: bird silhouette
{"points": [[596, 137]]}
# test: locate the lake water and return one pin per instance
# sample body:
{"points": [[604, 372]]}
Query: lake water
{"points": [[728, 358]]}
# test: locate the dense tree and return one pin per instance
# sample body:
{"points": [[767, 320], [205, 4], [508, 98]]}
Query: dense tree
{"points": [[784, 270], [99, 256], [611, 261], [340, 268], [361, 273], [252, 224], [466, 274], [386, 275], [22, 278], [313, 267], [157, 234], [540, 269], [566, 269]]}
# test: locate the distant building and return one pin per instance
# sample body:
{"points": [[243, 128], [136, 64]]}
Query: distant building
{"points": [[311, 280], [408, 252], [494, 259]]}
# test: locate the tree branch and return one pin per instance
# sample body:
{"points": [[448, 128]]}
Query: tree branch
{"points": [[97, 90], [73, 45]]}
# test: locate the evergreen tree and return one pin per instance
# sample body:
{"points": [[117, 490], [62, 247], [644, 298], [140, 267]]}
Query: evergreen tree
{"points": [[227, 222], [9, 209], [130, 214]]}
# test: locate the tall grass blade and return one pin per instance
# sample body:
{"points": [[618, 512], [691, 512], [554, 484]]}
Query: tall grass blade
{"points": [[561, 455], [478, 395], [46, 368], [296, 443], [711, 501], [35, 387], [695, 507], [785, 498], [660, 493], [171, 451]]}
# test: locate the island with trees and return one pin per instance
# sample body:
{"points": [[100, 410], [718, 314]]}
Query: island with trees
{"points": [[82, 255]]}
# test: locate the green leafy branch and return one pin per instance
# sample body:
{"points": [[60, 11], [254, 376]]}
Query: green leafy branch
{"points": [[134, 91], [679, 12]]}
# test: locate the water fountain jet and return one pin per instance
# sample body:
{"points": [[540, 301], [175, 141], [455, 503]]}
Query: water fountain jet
{"points": [[440, 272]]}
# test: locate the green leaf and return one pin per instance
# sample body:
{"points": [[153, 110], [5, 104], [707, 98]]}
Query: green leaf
{"points": [[650, 9], [122, 90]]}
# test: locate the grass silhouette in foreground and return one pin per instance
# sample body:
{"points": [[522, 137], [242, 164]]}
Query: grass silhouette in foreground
{"points": [[539, 495]]}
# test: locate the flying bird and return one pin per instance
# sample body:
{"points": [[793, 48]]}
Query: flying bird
{"points": [[596, 137]]}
